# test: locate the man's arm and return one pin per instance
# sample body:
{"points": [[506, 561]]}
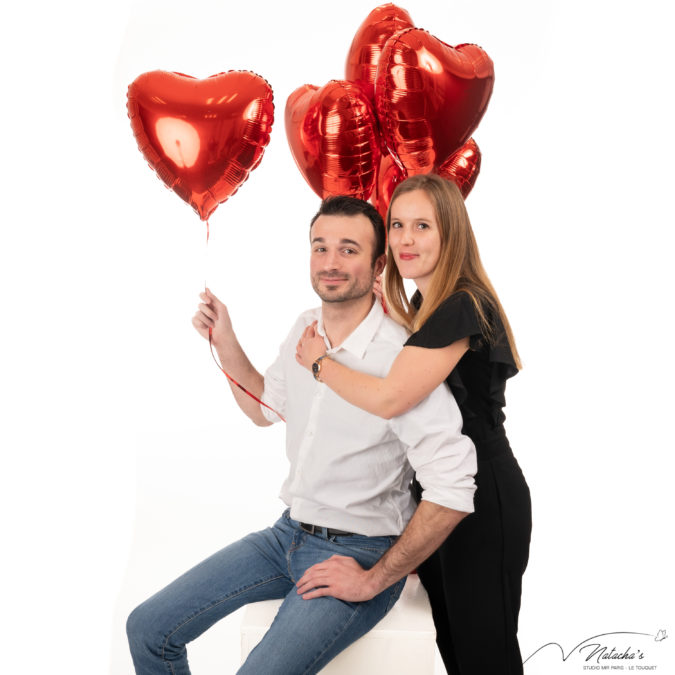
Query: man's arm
{"points": [[343, 578], [212, 314]]}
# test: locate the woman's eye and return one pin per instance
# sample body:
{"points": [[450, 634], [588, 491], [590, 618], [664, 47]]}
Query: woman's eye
{"points": [[422, 226], [395, 225]]}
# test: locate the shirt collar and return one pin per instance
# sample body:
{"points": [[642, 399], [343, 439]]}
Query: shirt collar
{"points": [[358, 340]]}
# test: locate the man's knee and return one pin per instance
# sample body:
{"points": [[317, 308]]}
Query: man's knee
{"points": [[142, 629], [135, 626]]}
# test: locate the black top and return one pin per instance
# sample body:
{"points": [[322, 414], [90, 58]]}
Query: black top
{"points": [[478, 382]]}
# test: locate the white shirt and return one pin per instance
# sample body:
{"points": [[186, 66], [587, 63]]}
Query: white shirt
{"points": [[350, 470]]}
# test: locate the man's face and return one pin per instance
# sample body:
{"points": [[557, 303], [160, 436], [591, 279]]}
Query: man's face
{"points": [[341, 259]]}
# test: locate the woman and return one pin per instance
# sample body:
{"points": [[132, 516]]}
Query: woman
{"points": [[460, 334]]}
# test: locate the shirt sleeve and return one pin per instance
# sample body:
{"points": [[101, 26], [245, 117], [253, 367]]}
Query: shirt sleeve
{"points": [[442, 457], [274, 391], [274, 386], [455, 318]]}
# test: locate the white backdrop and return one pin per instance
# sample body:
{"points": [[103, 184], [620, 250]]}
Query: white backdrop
{"points": [[126, 461]]}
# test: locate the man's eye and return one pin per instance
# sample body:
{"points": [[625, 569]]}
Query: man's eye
{"points": [[349, 251], [319, 249]]}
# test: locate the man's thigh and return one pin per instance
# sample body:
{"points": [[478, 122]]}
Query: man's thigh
{"points": [[249, 570], [307, 634]]}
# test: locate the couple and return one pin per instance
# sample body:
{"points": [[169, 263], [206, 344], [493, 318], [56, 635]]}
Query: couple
{"points": [[362, 416]]}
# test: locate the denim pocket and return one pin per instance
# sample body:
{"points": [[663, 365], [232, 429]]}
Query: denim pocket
{"points": [[365, 550]]}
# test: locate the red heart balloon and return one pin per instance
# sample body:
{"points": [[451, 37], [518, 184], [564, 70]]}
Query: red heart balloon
{"points": [[389, 176], [430, 97], [202, 137], [462, 168], [332, 132], [367, 45]]}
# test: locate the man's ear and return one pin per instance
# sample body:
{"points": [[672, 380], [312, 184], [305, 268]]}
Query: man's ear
{"points": [[380, 262]]}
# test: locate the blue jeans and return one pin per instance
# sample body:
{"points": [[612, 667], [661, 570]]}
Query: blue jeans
{"points": [[305, 635]]}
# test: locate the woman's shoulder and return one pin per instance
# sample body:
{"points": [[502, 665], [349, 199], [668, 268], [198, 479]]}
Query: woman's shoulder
{"points": [[453, 302], [457, 312], [454, 318], [458, 301]]}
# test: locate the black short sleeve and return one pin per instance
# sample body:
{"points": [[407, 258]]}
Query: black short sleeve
{"points": [[454, 319], [478, 381]]}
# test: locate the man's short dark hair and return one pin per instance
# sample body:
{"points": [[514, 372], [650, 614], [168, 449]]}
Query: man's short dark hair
{"points": [[351, 206]]}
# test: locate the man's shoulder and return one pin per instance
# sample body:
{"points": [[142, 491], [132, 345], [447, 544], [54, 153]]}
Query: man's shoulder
{"points": [[304, 319], [309, 315], [392, 332]]}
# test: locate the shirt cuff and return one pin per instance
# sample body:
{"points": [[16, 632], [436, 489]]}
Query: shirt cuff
{"points": [[460, 499]]}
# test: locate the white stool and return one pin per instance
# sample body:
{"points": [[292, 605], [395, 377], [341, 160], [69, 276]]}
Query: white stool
{"points": [[403, 642]]}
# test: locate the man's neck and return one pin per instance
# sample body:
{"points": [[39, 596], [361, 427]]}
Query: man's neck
{"points": [[340, 319]]}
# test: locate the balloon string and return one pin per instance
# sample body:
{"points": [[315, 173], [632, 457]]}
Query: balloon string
{"points": [[231, 379], [227, 375]]}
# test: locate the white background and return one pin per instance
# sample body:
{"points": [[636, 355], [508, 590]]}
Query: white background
{"points": [[125, 461]]}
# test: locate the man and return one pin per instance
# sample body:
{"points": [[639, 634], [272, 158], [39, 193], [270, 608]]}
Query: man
{"points": [[335, 555]]}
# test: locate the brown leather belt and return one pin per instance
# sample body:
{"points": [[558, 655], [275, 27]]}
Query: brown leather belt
{"points": [[325, 531]]}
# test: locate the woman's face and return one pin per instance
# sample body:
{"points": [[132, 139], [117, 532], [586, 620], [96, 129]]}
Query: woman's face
{"points": [[414, 237]]}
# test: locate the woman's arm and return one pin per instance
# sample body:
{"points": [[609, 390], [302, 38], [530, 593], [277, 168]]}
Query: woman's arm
{"points": [[415, 373]]}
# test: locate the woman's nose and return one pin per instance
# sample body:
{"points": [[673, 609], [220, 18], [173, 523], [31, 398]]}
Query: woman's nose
{"points": [[406, 236]]}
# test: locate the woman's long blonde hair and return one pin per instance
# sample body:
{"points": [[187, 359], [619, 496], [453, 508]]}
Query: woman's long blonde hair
{"points": [[459, 266]]}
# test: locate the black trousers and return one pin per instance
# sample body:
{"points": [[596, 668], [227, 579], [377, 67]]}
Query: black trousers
{"points": [[474, 578]]}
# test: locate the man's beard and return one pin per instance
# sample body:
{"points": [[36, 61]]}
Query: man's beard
{"points": [[353, 290]]}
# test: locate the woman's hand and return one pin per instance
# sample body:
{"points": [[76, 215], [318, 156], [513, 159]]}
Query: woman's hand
{"points": [[212, 314], [377, 288], [379, 293], [310, 347]]}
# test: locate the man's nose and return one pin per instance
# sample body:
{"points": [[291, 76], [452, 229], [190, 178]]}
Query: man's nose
{"points": [[331, 260]]}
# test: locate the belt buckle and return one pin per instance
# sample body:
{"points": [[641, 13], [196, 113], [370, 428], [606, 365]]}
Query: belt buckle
{"points": [[307, 527]]}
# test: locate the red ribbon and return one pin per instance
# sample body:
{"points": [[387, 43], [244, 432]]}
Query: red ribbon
{"points": [[229, 377]]}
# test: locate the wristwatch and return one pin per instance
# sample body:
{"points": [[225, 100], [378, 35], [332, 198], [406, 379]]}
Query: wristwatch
{"points": [[316, 367]]}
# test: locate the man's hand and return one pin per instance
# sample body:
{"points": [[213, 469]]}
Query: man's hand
{"points": [[340, 577], [343, 578], [212, 314]]}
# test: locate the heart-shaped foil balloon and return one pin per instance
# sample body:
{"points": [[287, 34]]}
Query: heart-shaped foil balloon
{"points": [[333, 137], [462, 168], [430, 97], [389, 176], [202, 137], [367, 45]]}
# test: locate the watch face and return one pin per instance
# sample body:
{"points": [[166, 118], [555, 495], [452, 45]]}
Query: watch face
{"points": [[315, 367]]}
